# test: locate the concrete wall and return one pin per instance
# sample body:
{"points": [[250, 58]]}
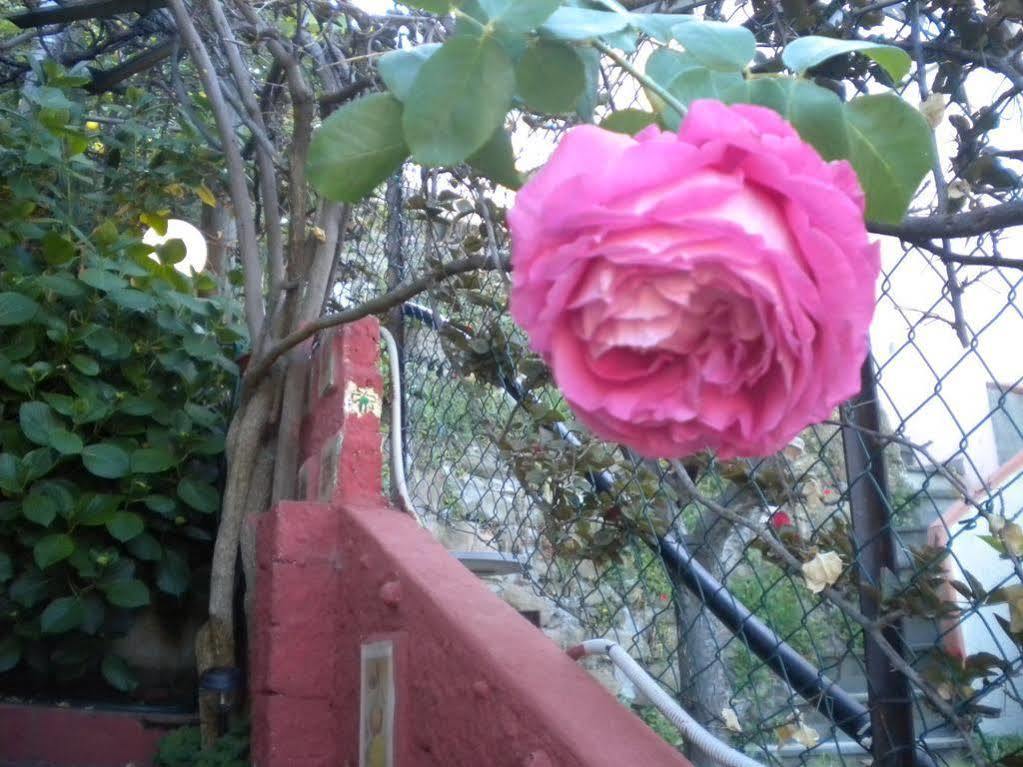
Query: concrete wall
{"points": [[342, 575]]}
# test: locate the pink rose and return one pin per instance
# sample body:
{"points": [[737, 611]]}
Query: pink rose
{"points": [[710, 289]]}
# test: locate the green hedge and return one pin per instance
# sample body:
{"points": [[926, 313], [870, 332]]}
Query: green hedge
{"points": [[116, 379]]}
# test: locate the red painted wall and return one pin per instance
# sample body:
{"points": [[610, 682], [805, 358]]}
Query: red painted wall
{"points": [[41, 736], [476, 684]]}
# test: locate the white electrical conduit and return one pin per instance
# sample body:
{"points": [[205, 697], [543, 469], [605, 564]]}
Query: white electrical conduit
{"points": [[695, 734], [397, 456]]}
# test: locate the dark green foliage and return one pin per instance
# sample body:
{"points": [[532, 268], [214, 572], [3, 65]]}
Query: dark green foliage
{"points": [[183, 748], [116, 377]]}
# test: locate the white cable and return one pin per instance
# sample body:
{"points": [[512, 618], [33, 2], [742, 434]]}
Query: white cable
{"points": [[397, 457], [694, 733]]}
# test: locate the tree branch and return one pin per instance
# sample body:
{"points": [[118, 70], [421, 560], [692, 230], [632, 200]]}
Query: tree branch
{"points": [[957, 258], [376, 305], [951, 225], [237, 184], [265, 152]]}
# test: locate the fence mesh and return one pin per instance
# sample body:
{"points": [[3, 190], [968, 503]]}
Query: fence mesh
{"points": [[496, 462]]}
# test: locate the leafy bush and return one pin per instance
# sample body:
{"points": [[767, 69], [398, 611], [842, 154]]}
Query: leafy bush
{"points": [[183, 748], [115, 382]]}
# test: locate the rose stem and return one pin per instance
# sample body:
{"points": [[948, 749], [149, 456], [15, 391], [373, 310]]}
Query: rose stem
{"points": [[625, 64]]}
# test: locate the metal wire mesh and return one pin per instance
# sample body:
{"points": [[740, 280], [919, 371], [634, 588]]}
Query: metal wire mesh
{"points": [[949, 392]]}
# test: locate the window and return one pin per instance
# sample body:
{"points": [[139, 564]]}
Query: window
{"points": [[1007, 419]]}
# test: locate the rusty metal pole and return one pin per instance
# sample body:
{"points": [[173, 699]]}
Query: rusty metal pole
{"points": [[890, 699]]}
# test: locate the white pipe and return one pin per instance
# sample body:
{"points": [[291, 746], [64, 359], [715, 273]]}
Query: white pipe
{"points": [[692, 731], [397, 457]]}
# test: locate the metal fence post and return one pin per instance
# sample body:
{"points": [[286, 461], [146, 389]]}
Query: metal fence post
{"points": [[889, 694], [394, 252]]}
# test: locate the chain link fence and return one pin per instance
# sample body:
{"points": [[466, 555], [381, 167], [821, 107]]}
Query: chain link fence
{"points": [[907, 484]]}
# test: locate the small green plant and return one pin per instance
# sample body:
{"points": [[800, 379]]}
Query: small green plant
{"points": [[183, 748]]}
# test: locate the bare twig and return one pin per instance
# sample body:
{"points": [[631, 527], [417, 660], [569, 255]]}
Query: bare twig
{"points": [[237, 184], [955, 290], [959, 258], [376, 305], [265, 151]]}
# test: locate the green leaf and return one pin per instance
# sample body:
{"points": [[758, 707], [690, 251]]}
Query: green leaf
{"points": [[102, 280], [52, 549], [65, 442], [201, 496], [23, 344], [155, 222], [659, 25], [49, 97], [629, 121], [133, 300], [11, 476], [62, 284], [106, 460], [124, 525], [576, 24], [29, 588], [107, 344], [138, 406], [202, 415], [145, 547], [161, 504], [816, 113], [151, 460], [85, 365], [16, 309], [719, 46], [57, 250], [203, 347], [803, 53], [61, 615], [357, 148], [6, 567], [36, 463], [702, 83], [117, 673], [892, 148], [10, 653], [61, 491], [496, 160], [550, 77], [95, 608], [39, 508], [665, 64], [127, 593], [398, 69], [173, 574], [518, 16], [37, 422], [98, 509], [172, 252], [462, 94]]}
